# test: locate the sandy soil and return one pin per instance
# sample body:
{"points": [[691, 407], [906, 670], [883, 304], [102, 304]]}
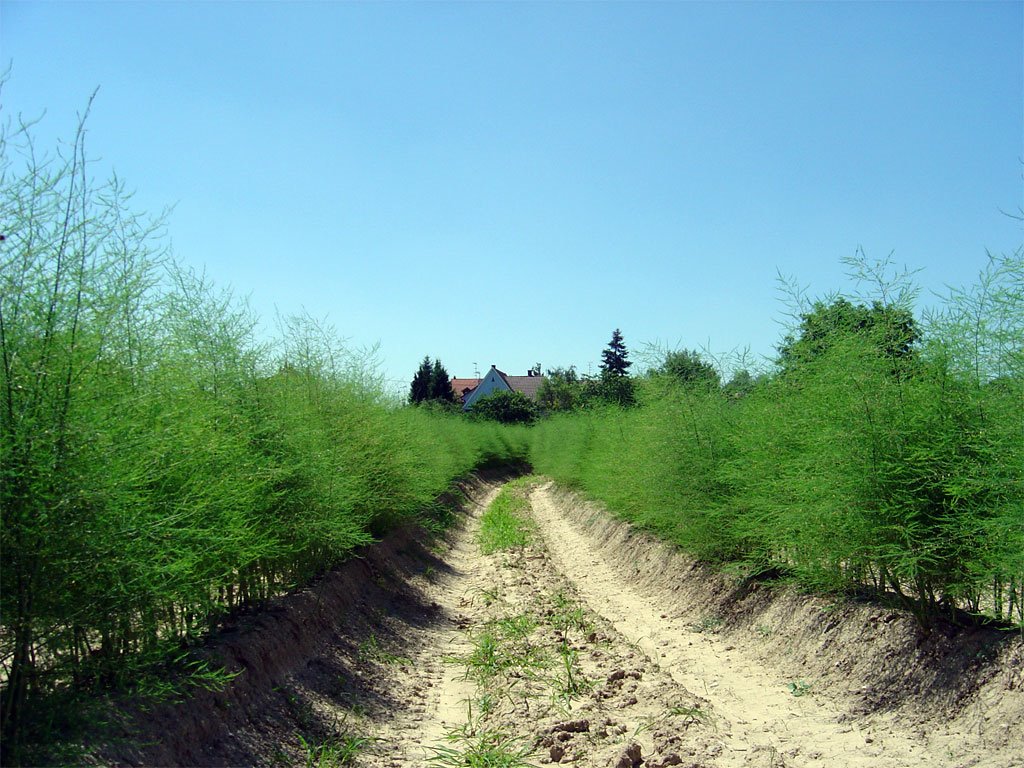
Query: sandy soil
{"points": [[592, 645], [769, 713], [560, 683]]}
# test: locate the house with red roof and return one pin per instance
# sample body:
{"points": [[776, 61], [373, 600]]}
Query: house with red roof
{"points": [[468, 391]]}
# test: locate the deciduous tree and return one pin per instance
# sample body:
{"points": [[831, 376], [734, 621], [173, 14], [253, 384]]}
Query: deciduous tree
{"points": [[689, 369], [890, 328], [561, 390]]}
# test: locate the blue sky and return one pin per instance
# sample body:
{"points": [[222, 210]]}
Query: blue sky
{"points": [[508, 183]]}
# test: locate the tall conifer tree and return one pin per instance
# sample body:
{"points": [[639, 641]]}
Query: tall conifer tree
{"points": [[440, 384], [419, 390], [431, 382], [615, 359]]}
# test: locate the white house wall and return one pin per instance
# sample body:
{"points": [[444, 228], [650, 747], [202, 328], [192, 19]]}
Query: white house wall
{"points": [[490, 384]]}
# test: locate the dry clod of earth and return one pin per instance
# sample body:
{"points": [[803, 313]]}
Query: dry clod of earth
{"points": [[574, 726], [630, 758], [590, 645]]}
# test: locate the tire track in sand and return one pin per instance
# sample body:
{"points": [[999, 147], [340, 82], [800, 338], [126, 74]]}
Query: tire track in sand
{"points": [[569, 689], [760, 721], [432, 690], [447, 707]]}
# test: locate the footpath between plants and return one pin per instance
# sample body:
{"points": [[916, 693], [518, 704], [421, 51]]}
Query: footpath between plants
{"points": [[540, 630]]}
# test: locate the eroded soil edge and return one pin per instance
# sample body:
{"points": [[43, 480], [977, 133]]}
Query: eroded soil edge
{"points": [[320, 669], [801, 679], [617, 652]]}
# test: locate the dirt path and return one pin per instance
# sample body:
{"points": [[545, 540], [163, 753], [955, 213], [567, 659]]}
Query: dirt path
{"points": [[585, 644], [434, 688], [802, 680], [520, 665], [608, 671], [761, 721]]}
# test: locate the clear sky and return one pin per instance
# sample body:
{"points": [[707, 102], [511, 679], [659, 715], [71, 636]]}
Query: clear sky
{"points": [[509, 182]]}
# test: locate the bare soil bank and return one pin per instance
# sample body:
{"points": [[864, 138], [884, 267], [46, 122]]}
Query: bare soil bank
{"points": [[802, 678], [308, 662], [678, 664]]}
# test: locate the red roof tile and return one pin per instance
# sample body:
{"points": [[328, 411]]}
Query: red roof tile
{"points": [[528, 385], [463, 387]]}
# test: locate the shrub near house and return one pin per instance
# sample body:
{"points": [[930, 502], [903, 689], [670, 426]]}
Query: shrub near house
{"points": [[506, 407], [472, 391]]}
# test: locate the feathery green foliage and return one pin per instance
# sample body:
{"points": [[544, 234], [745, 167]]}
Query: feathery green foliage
{"points": [[892, 466], [158, 464]]}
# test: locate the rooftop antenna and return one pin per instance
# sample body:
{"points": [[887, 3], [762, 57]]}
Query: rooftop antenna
{"points": [[476, 370]]}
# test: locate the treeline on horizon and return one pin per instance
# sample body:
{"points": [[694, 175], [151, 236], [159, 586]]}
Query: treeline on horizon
{"points": [[159, 465], [880, 453]]}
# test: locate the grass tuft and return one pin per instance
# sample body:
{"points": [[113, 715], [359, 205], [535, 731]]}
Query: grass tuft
{"points": [[505, 525]]}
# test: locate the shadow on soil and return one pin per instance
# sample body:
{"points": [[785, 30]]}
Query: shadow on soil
{"points": [[306, 662], [313, 662]]}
